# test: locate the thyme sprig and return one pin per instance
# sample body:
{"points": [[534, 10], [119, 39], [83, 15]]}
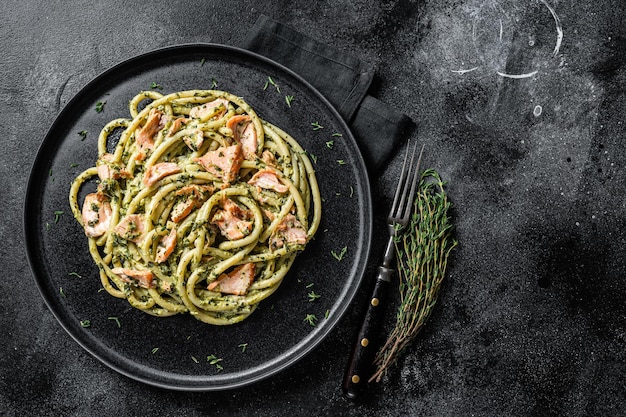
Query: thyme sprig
{"points": [[422, 257]]}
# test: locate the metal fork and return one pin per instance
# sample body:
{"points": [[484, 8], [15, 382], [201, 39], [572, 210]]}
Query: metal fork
{"points": [[361, 360]]}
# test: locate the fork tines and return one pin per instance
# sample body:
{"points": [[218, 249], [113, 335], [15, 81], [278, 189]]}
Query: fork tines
{"points": [[405, 192]]}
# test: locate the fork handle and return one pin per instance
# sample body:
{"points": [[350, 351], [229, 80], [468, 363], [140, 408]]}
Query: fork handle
{"points": [[365, 347]]}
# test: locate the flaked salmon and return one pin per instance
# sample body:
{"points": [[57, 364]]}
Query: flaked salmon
{"points": [[216, 108], [194, 196], [97, 214], [268, 179], [288, 232], [177, 124], [233, 221], [109, 169], [269, 158], [194, 139], [223, 162], [236, 282], [145, 136], [142, 278], [159, 171], [166, 246], [131, 227], [244, 133]]}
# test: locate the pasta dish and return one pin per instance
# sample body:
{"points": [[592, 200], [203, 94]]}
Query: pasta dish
{"points": [[201, 207]]}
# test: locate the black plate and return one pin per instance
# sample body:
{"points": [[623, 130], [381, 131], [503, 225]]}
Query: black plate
{"points": [[173, 352]]}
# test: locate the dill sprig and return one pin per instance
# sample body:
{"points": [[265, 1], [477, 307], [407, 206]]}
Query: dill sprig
{"points": [[422, 256]]}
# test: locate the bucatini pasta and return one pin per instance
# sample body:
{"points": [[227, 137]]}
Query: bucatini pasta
{"points": [[201, 208]]}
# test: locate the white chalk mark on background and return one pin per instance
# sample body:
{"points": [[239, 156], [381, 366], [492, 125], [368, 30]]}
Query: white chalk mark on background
{"points": [[516, 76], [463, 71], [559, 28], [557, 46]]}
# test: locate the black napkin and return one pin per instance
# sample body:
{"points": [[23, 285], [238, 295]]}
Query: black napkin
{"points": [[342, 79]]}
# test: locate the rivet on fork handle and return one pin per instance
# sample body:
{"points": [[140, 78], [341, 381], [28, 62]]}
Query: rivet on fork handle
{"points": [[364, 350]]}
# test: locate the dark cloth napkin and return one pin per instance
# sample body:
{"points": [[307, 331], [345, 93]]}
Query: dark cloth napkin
{"points": [[342, 79]]}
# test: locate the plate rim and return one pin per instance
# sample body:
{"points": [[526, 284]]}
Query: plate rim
{"points": [[230, 381]]}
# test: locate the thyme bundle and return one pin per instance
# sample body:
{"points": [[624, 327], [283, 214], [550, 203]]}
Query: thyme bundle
{"points": [[422, 256]]}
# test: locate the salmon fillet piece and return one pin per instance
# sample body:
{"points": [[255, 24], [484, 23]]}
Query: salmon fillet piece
{"points": [[223, 162], [233, 221], [288, 232], [144, 279], [145, 136], [268, 179], [131, 227], [97, 214], [166, 247], [215, 108], [236, 282], [244, 133], [159, 171]]}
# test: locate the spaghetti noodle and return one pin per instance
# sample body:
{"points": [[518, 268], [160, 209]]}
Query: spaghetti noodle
{"points": [[201, 208]]}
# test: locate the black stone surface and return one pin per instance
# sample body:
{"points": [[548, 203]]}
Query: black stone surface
{"points": [[531, 320]]}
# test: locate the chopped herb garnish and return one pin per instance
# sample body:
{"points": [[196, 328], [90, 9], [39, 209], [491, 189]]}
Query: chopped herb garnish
{"points": [[313, 296], [337, 135], [272, 83], [61, 292], [214, 360], [50, 172], [311, 319], [57, 214], [341, 162], [75, 274], [85, 323], [313, 158], [100, 106], [351, 191], [213, 83], [243, 347], [83, 134], [116, 320], [155, 85], [339, 256], [288, 100], [317, 126], [326, 314], [330, 144], [73, 165], [202, 61], [47, 226], [155, 350], [309, 285], [193, 358]]}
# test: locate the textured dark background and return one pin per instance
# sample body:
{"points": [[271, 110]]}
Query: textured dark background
{"points": [[532, 318]]}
